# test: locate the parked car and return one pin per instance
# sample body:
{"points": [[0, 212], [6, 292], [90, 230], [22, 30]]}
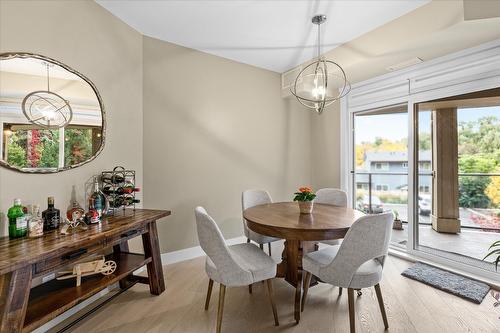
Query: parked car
{"points": [[424, 205], [364, 204]]}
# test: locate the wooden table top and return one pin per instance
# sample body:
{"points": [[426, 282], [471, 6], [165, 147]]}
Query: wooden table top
{"points": [[283, 220], [16, 253]]}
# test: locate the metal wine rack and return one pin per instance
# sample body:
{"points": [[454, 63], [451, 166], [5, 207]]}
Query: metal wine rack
{"points": [[118, 178]]}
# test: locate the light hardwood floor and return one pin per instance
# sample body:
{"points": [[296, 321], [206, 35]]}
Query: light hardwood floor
{"points": [[411, 307]]}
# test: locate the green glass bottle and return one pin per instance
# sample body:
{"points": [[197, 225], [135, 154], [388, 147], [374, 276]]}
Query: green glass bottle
{"points": [[18, 226]]}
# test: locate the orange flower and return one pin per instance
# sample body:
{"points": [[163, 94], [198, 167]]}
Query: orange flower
{"points": [[305, 189]]}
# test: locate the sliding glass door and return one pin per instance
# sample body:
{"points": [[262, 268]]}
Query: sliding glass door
{"points": [[380, 172], [458, 161]]}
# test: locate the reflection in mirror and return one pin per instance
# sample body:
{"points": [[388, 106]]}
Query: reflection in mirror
{"points": [[51, 116]]}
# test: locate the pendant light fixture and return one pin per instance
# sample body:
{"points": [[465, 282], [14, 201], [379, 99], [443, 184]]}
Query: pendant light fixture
{"points": [[47, 109], [322, 82]]}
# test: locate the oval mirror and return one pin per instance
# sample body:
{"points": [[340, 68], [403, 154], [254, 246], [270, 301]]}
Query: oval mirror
{"points": [[51, 116]]}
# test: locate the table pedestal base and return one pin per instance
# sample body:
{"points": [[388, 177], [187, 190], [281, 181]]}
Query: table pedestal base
{"points": [[290, 268]]}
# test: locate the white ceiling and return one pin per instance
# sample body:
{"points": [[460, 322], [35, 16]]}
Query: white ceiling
{"points": [[275, 35]]}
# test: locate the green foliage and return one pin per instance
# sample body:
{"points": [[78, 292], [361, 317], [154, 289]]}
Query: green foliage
{"points": [[472, 192], [16, 155], [77, 145], [480, 137], [304, 194], [494, 251], [49, 149], [479, 163]]}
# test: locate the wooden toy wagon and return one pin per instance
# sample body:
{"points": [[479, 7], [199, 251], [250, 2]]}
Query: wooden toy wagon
{"points": [[99, 266]]}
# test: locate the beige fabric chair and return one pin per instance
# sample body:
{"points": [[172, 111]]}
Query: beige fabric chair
{"points": [[334, 197], [357, 263], [251, 198], [232, 266]]}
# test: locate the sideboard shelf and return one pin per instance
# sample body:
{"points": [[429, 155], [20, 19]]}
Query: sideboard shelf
{"points": [[50, 299]]}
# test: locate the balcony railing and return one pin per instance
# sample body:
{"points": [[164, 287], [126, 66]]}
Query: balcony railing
{"points": [[467, 223]]}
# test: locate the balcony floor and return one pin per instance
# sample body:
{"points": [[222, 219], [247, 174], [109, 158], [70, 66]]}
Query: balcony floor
{"points": [[470, 243]]}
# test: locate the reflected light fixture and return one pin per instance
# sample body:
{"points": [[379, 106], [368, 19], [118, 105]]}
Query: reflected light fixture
{"points": [[322, 82], [47, 109]]}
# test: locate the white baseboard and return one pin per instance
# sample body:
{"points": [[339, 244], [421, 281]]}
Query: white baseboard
{"points": [[193, 252]]}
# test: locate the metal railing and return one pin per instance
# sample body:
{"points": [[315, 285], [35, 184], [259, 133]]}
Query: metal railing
{"points": [[430, 174]]}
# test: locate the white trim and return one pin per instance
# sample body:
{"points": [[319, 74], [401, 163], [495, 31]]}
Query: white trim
{"points": [[193, 252], [466, 71]]}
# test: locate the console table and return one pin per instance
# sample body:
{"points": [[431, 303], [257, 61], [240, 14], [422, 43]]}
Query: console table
{"points": [[22, 308]]}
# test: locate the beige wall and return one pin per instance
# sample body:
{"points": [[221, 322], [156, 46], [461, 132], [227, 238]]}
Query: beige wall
{"points": [[212, 128], [89, 39]]}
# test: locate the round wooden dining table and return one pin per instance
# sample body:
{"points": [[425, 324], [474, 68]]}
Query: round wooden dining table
{"points": [[301, 233]]}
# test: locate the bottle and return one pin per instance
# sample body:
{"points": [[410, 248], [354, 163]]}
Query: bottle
{"points": [[114, 178], [35, 224], [123, 201], [126, 189], [51, 216], [97, 201], [75, 211], [17, 221]]}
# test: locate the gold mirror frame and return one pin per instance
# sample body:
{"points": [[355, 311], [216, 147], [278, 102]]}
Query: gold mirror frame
{"points": [[25, 55]]}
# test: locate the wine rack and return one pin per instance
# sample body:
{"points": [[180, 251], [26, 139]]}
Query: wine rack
{"points": [[112, 182]]}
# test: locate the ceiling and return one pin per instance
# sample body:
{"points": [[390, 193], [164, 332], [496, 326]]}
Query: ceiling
{"points": [[275, 35]]}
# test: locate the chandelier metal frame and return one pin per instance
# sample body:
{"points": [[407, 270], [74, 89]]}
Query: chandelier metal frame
{"points": [[320, 71]]}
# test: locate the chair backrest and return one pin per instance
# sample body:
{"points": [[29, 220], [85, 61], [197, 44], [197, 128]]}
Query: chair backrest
{"points": [[214, 245], [331, 196], [367, 239], [250, 198]]}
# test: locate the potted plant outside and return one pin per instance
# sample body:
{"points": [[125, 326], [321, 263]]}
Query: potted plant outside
{"points": [[397, 224], [305, 197]]}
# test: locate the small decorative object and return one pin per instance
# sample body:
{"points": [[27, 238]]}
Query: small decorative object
{"points": [[397, 224], [91, 217], [99, 266], [305, 197], [322, 82], [45, 108], [35, 224]]}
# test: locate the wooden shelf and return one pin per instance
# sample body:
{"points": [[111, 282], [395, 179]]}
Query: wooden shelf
{"points": [[53, 298]]}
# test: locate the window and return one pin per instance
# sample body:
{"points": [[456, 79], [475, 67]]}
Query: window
{"points": [[381, 166], [424, 165], [382, 187], [424, 189], [404, 165], [27, 146], [362, 186]]}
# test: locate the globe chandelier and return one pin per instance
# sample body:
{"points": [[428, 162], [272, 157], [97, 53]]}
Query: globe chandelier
{"points": [[322, 82], [47, 109]]}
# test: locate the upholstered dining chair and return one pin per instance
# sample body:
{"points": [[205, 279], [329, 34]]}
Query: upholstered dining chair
{"points": [[251, 198], [356, 263], [232, 266], [334, 197]]}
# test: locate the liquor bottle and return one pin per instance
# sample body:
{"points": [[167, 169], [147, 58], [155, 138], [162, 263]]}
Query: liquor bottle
{"points": [[97, 201], [35, 224], [114, 178], [51, 216], [75, 211], [17, 220]]}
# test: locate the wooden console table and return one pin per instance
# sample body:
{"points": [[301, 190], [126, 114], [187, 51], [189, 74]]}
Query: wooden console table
{"points": [[22, 308]]}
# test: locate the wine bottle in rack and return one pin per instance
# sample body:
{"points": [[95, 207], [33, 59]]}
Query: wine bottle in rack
{"points": [[113, 178], [122, 201]]}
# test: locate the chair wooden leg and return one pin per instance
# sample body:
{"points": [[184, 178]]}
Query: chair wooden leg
{"points": [[269, 249], [271, 298], [352, 314], [222, 294], [340, 291], [261, 246], [381, 305], [209, 293], [249, 288], [307, 282]]}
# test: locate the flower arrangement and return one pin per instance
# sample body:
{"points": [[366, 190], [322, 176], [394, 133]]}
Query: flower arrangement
{"points": [[305, 197]]}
